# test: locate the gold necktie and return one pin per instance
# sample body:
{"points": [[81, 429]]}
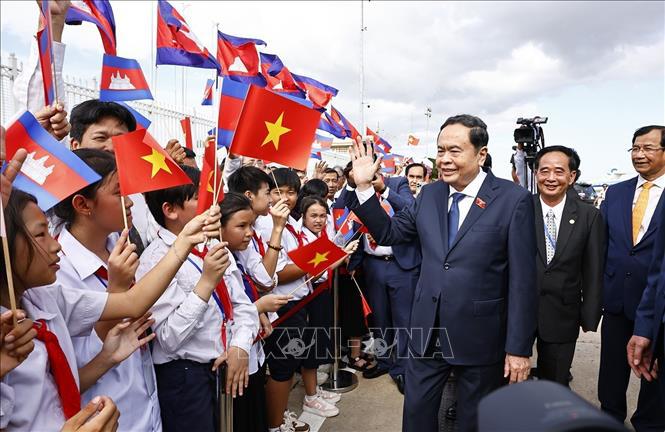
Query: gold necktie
{"points": [[640, 208]]}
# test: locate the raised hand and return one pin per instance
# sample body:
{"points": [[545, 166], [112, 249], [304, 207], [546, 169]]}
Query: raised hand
{"points": [[15, 343], [54, 120], [364, 165], [319, 170], [126, 337], [123, 262], [175, 150], [280, 213], [200, 228], [100, 415], [215, 264], [271, 302]]}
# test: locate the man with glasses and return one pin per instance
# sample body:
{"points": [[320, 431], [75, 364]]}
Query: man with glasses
{"points": [[633, 211]]}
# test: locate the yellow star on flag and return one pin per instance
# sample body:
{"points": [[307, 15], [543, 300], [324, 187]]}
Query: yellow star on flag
{"points": [[319, 258], [275, 131], [210, 184], [158, 162]]}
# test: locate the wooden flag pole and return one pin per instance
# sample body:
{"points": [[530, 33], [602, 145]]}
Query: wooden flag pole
{"points": [[124, 217], [279, 192], [8, 267]]}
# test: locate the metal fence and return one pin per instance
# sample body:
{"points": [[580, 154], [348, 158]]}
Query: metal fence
{"points": [[165, 119]]}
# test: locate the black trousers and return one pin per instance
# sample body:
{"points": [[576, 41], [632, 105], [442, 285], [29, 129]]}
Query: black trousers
{"points": [[554, 360], [249, 410], [186, 391], [614, 374], [425, 378]]}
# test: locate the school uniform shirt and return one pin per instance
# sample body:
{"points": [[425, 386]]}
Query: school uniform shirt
{"points": [[68, 312], [289, 243], [131, 384], [187, 327], [252, 261]]}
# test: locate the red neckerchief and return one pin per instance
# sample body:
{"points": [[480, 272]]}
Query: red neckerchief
{"points": [[259, 244], [298, 236]]}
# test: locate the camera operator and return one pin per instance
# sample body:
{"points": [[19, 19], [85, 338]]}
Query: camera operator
{"points": [[521, 172]]}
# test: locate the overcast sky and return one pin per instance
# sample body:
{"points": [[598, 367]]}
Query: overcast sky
{"points": [[596, 69]]}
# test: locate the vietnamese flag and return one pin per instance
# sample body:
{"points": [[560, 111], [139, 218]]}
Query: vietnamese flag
{"points": [[186, 125], [317, 256], [207, 181], [275, 128], [143, 165]]}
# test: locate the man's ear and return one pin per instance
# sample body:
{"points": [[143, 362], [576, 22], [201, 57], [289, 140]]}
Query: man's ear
{"points": [[74, 144], [169, 212], [81, 205]]}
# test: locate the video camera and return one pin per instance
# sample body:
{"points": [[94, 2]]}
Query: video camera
{"points": [[530, 134]]}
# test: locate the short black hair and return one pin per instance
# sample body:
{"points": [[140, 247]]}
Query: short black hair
{"points": [[646, 129], [92, 111], [284, 177], [309, 201], [189, 153], [313, 187], [101, 162], [413, 165], [176, 195], [248, 178], [331, 171], [233, 202], [477, 135], [573, 157]]}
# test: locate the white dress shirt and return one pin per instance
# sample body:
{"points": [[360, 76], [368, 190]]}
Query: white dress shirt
{"points": [[34, 404], [557, 210], [28, 88], [252, 261], [186, 327], [470, 192], [363, 196], [131, 384], [654, 195]]}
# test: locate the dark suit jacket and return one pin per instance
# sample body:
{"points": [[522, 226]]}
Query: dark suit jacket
{"points": [[483, 289], [650, 313], [570, 286], [407, 256], [626, 265]]}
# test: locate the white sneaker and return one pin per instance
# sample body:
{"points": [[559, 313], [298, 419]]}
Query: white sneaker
{"points": [[290, 418], [328, 396], [286, 427], [320, 407], [321, 377]]}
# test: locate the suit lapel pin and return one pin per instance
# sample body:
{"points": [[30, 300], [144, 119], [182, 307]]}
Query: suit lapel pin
{"points": [[572, 221], [480, 203]]}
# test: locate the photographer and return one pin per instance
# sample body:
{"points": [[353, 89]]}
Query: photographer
{"points": [[521, 172]]}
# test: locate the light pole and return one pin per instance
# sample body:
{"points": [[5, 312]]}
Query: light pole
{"points": [[428, 115]]}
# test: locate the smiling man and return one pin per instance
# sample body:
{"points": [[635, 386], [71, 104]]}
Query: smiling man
{"points": [[570, 236], [474, 308]]}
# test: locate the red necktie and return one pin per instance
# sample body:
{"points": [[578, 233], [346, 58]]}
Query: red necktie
{"points": [[297, 235], [259, 244], [68, 391]]}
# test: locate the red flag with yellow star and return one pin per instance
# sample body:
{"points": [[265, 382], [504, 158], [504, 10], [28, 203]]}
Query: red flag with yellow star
{"points": [[143, 165], [317, 256], [206, 189], [275, 128]]}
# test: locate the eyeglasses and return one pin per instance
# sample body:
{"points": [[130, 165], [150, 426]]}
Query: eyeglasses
{"points": [[645, 150]]}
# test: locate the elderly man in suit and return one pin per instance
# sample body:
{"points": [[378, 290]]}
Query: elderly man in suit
{"points": [[474, 308], [571, 243], [634, 212]]}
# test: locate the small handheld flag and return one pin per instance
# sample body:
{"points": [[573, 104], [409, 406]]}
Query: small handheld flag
{"points": [[323, 142], [143, 165], [122, 80], [51, 172], [413, 140], [239, 59], [45, 45], [275, 128], [141, 121], [186, 125], [207, 93], [340, 120], [317, 256], [98, 12], [329, 125], [344, 223], [206, 184], [380, 144], [278, 76]]}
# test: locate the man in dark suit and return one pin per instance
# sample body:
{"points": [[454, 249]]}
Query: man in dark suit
{"points": [[648, 341], [475, 303], [570, 236], [633, 211], [390, 274]]}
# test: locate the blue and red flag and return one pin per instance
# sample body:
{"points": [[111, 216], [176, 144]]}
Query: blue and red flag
{"points": [[230, 106], [320, 94], [278, 76], [380, 145], [323, 142], [122, 80], [340, 120], [344, 220], [51, 172], [207, 93], [45, 44], [99, 13], [388, 166], [315, 155], [176, 44], [239, 59], [141, 121], [329, 125]]}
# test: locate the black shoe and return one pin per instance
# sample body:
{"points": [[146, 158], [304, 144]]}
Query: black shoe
{"points": [[570, 377], [374, 372], [399, 380]]}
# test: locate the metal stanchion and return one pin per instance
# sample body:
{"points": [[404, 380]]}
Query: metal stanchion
{"points": [[339, 381], [224, 402]]}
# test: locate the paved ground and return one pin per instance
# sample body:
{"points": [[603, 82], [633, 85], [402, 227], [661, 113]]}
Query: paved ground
{"points": [[376, 405]]}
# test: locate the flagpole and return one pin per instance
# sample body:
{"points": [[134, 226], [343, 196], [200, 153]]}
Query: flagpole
{"points": [[124, 214], [8, 268], [362, 66], [52, 65]]}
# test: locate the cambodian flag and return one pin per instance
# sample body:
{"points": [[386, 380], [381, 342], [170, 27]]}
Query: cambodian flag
{"points": [[176, 45], [388, 166], [340, 120], [315, 155], [239, 59], [380, 145], [320, 94], [207, 93], [329, 125], [99, 13], [323, 142], [344, 220], [51, 172], [278, 76], [45, 44], [122, 80], [230, 105], [141, 121]]}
